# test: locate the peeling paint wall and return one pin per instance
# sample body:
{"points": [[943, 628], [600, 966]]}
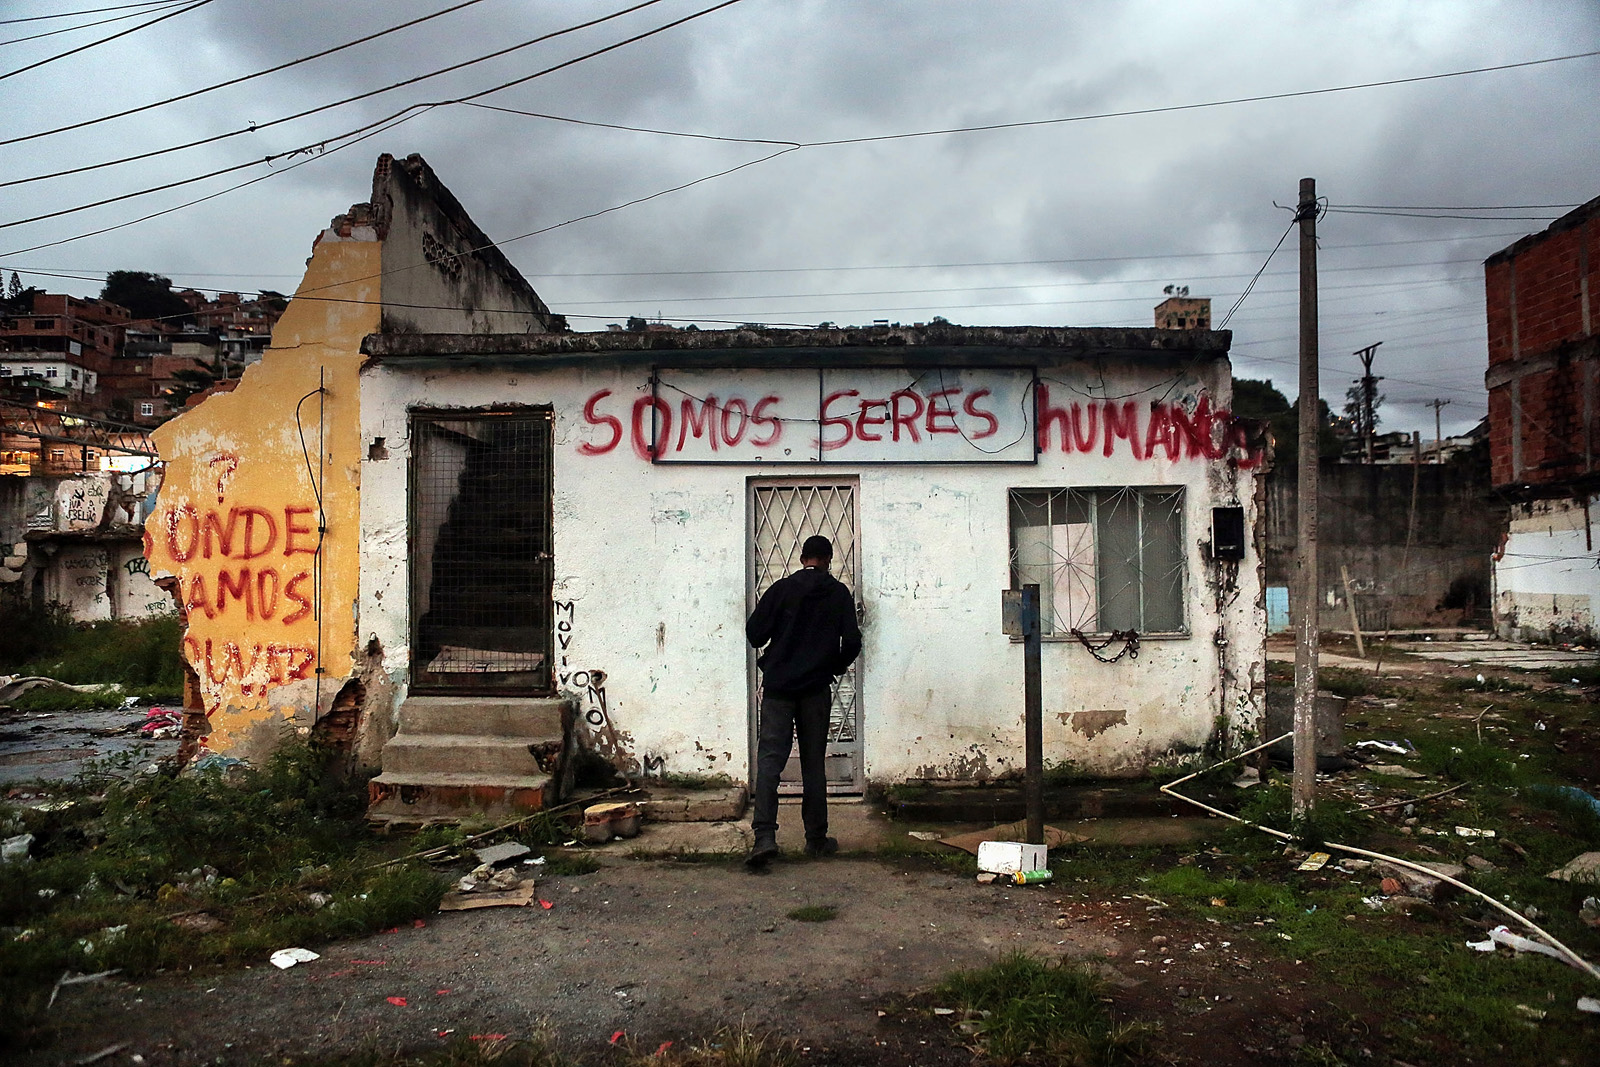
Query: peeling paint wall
{"points": [[651, 580], [237, 521], [1548, 578]]}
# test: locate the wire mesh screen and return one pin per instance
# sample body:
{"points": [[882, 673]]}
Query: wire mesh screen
{"points": [[480, 551], [1104, 559], [785, 515]]}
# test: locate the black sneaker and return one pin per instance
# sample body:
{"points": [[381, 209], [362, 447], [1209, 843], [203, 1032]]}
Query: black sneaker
{"points": [[762, 854], [826, 847]]}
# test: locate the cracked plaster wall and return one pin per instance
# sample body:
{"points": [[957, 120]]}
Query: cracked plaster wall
{"points": [[651, 573]]}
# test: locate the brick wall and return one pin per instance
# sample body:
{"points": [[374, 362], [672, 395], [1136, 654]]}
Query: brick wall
{"points": [[1542, 297]]}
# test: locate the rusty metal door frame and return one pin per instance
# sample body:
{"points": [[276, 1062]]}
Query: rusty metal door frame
{"points": [[758, 575]]}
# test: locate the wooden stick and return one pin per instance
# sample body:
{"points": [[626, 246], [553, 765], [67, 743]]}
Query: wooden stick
{"points": [[1413, 800], [430, 853]]}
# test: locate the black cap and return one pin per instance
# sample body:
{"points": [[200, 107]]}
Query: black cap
{"points": [[816, 547]]}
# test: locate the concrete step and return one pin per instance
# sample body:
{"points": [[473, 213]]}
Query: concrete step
{"points": [[534, 718], [400, 797], [437, 754]]}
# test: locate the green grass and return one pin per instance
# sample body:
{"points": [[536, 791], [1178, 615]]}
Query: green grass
{"points": [[814, 913], [247, 851], [138, 654], [1033, 1012], [1349, 682]]}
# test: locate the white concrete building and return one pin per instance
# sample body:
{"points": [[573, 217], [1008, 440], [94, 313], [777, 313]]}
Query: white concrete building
{"points": [[594, 515]]}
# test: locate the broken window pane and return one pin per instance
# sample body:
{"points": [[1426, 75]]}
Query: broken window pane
{"points": [[1104, 559]]}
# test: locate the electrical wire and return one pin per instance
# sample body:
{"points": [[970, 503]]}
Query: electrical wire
{"points": [[1461, 207], [96, 271], [89, 11], [389, 122], [104, 40], [1248, 288], [167, 5], [1424, 215], [230, 82], [255, 127]]}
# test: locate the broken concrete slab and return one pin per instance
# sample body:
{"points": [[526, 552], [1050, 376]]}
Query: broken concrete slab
{"points": [[1394, 770], [1416, 883], [695, 805], [1584, 868], [505, 852]]}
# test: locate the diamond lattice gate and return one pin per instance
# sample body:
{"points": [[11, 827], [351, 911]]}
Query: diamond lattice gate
{"points": [[783, 513]]}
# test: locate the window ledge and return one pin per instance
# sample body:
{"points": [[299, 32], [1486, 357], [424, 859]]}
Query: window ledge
{"points": [[1178, 635]]}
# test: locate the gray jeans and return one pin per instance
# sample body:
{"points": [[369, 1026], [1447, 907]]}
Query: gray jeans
{"points": [[782, 719]]}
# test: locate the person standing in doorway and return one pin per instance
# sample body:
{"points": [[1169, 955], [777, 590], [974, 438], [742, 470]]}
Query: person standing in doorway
{"points": [[807, 622]]}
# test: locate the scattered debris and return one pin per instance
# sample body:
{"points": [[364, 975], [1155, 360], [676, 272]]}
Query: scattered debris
{"points": [[1314, 862], [398, 1002], [602, 822], [1011, 857], [922, 835], [1394, 770], [1589, 1004], [505, 852], [1584, 868], [198, 922], [519, 897], [285, 958], [1469, 831], [96, 1057], [1385, 746], [1478, 863], [15, 849], [1054, 837], [1416, 883], [1589, 912], [1502, 935]]}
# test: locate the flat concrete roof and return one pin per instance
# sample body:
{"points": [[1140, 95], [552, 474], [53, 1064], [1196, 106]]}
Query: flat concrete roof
{"points": [[862, 346]]}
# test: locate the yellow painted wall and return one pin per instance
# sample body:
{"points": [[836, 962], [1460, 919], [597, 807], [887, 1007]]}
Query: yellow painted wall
{"points": [[238, 513]]}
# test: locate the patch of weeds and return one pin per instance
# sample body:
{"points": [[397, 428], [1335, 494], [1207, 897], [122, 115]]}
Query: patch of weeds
{"points": [[1033, 1012], [1576, 811], [49, 643], [51, 699], [814, 913], [1063, 772], [1466, 759], [675, 780], [570, 863], [266, 857], [1271, 805], [1348, 682], [1489, 684], [1585, 676]]}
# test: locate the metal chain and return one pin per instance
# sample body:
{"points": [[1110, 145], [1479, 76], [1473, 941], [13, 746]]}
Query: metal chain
{"points": [[1129, 639]]}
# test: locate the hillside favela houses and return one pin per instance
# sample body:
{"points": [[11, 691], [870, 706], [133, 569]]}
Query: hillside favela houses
{"points": [[1544, 414], [505, 540]]}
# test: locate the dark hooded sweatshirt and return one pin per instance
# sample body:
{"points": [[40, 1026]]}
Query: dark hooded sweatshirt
{"points": [[810, 620]]}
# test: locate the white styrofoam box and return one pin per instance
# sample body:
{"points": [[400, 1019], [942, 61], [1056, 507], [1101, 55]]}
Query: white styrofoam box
{"points": [[1009, 857]]}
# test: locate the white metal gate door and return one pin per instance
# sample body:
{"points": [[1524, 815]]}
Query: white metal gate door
{"points": [[783, 513]]}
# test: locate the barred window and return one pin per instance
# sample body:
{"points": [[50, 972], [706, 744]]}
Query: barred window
{"points": [[1104, 559]]}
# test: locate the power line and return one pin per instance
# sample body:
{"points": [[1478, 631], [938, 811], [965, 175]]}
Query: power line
{"points": [[1460, 207], [104, 40], [1292, 224], [163, 5], [256, 127], [388, 122], [89, 11], [1426, 215], [232, 81]]}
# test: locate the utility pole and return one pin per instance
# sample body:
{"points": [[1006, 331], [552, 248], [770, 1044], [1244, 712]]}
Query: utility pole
{"points": [[1438, 435], [1369, 395], [1306, 632]]}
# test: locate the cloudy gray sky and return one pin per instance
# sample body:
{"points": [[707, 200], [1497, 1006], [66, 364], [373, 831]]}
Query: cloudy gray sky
{"points": [[1076, 223]]}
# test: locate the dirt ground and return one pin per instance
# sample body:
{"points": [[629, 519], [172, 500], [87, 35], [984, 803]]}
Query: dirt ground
{"points": [[667, 951]]}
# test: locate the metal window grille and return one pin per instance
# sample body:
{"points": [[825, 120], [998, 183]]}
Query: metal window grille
{"points": [[481, 563], [1104, 559], [784, 516]]}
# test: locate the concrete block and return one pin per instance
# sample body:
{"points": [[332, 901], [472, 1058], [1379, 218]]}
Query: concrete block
{"points": [[1329, 723], [707, 805], [16, 562], [8, 576]]}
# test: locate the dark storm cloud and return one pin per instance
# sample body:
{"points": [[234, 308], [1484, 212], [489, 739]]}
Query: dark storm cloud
{"points": [[1199, 183]]}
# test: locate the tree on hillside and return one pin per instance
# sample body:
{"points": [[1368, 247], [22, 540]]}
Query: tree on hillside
{"points": [[1256, 399], [191, 380], [17, 300], [148, 296]]}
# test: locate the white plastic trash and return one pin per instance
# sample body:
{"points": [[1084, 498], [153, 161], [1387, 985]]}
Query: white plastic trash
{"points": [[1009, 857], [285, 958]]}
